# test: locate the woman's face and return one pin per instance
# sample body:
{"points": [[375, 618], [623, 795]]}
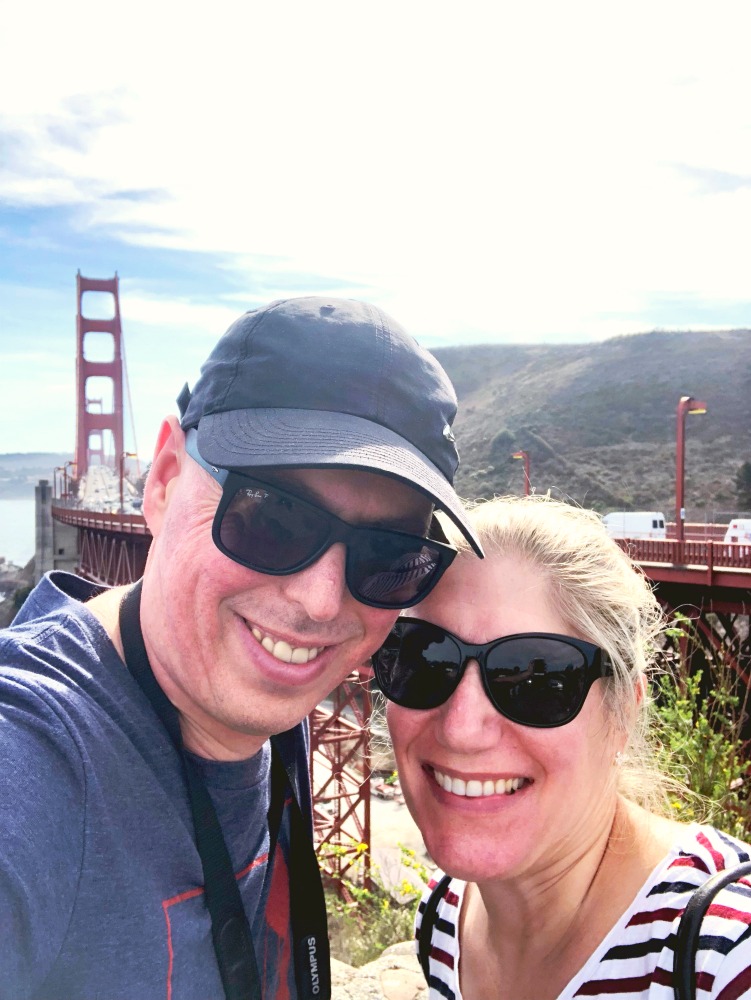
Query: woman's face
{"points": [[566, 793]]}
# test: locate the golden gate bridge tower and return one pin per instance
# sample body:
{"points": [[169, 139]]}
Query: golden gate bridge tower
{"points": [[92, 424]]}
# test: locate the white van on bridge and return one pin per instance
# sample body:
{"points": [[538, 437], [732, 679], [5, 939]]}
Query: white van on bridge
{"points": [[635, 524], [739, 533]]}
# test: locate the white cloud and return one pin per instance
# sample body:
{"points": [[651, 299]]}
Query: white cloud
{"points": [[505, 169], [175, 314]]}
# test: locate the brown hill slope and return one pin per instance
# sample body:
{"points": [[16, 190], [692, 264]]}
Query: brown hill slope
{"points": [[598, 420]]}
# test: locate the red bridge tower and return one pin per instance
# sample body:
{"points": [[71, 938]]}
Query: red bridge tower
{"points": [[91, 422]]}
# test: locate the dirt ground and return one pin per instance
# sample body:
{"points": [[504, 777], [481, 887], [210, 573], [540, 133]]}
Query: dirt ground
{"points": [[390, 826]]}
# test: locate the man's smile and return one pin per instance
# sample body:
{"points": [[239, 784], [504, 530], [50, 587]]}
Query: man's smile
{"points": [[280, 649]]}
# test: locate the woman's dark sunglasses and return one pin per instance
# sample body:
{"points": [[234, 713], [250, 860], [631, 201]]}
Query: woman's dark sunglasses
{"points": [[535, 678], [272, 531]]}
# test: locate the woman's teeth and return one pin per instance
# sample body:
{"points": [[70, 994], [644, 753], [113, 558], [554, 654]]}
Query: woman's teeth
{"points": [[282, 650], [475, 789]]}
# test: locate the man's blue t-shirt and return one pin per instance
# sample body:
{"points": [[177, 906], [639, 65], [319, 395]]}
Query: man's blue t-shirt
{"points": [[101, 885]]}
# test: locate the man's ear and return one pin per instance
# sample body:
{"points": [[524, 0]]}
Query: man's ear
{"points": [[168, 459]]}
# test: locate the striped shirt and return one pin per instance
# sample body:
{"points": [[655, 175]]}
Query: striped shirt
{"points": [[635, 960]]}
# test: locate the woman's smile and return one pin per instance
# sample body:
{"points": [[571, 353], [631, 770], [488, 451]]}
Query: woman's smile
{"points": [[475, 788]]}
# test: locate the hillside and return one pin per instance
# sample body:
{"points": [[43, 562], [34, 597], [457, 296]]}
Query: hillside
{"points": [[21, 471], [598, 420]]}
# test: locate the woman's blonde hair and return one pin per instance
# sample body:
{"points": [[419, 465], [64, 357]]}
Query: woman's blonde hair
{"points": [[603, 597]]}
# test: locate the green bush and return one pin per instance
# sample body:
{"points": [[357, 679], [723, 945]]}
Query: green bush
{"points": [[364, 920], [700, 718], [502, 445], [743, 484]]}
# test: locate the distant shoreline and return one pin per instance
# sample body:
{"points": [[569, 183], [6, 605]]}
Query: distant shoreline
{"points": [[21, 471]]}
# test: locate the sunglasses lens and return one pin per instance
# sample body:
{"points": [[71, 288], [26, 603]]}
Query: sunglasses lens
{"points": [[390, 570], [537, 681], [418, 666], [270, 531]]}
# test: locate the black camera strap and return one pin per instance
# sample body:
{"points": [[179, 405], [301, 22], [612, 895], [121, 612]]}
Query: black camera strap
{"points": [[229, 923], [689, 928]]}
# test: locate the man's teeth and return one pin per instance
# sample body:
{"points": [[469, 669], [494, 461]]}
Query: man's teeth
{"points": [[282, 650], [474, 789]]}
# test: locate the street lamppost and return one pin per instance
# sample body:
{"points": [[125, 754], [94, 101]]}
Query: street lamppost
{"points": [[123, 456], [523, 455], [686, 405], [70, 462]]}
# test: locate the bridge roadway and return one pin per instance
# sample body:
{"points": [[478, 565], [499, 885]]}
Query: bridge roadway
{"points": [[705, 578], [113, 549], [702, 576]]}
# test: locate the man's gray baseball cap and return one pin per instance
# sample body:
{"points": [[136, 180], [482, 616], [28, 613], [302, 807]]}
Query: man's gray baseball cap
{"points": [[329, 383]]}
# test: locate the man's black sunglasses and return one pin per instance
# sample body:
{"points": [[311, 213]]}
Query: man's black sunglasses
{"points": [[535, 678], [272, 531]]}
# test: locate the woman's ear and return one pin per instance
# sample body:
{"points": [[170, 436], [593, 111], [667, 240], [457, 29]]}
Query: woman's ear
{"points": [[640, 690], [169, 456]]}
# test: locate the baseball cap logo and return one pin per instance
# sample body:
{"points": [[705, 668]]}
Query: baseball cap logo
{"points": [[448, 433]]}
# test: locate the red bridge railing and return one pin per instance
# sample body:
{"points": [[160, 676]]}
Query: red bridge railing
{"points": [[692, 561]]}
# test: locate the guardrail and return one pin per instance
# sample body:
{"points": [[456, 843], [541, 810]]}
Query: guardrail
{"points": [[691, 552], [94, 520], [706, 563]]}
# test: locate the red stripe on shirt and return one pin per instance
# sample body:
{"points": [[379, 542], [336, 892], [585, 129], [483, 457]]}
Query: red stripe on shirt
{"points": [[442, 956], [667, 913], [737, 987], [717, 859]]}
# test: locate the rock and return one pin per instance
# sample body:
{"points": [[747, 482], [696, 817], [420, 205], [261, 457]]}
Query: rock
{"points": [[396, 975]]}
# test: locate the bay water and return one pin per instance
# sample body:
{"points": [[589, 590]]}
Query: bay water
{"points": [[17, 530]]}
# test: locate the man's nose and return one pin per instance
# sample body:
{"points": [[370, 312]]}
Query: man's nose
{"points": [[320, 588]]}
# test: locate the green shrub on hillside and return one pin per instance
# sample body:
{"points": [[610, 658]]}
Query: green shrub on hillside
{"points": [[700, 717], [743, 485]]}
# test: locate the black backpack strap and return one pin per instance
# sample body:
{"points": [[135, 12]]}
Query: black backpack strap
{"points": [[428, 922], [687, 937]]}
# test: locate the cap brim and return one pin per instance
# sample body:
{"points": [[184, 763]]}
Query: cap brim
{"points": [[258, 438]]}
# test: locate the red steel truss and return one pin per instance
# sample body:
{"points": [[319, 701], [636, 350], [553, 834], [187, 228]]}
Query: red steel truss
{"points": [[112, 547], [340, 778], [721, 619]]}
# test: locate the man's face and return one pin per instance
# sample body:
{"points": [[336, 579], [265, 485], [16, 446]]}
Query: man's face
{"points": [[220, 636]]}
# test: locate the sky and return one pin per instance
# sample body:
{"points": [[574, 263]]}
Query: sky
{"points": [[485, 172]]}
